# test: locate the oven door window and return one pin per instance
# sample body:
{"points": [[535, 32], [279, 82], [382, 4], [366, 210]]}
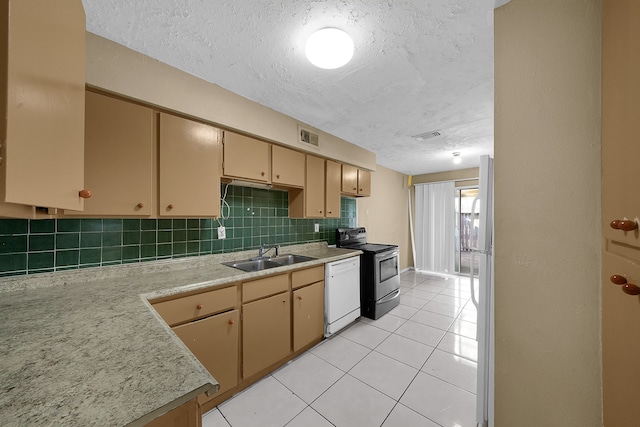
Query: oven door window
{"points": [[388, 268]]}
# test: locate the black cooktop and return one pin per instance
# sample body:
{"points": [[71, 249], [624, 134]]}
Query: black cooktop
{"points": [[356, 238]]}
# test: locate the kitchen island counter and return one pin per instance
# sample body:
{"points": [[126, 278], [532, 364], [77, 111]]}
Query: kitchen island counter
{"points": [[85, 347]]}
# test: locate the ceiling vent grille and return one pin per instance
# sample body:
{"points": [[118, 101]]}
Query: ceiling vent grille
{"points": [[308, 138], [426, 135]]}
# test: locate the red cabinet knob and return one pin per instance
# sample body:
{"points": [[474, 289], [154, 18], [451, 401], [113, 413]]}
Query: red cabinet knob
{"points": [[623, 224], [618, 280], [630, 289], [199, 307], [85, 194]]}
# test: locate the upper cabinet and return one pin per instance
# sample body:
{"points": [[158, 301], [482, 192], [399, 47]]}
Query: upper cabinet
{"points": [[364, 182], [332, 189], [42, 80], [189, 162], [246, 158], [355, 182], [287, 167], [118, 157], [314, 188]]}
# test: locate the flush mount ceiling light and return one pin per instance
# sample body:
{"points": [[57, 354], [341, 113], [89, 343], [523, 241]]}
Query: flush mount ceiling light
{"points": [[329, 48], [456, 158]]}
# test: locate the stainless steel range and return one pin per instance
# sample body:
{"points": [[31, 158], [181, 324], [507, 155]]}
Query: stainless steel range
{"points": [[379, 275]]}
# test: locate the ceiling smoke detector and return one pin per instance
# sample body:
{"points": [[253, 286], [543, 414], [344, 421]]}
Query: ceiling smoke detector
{"points": [[426, 135]]}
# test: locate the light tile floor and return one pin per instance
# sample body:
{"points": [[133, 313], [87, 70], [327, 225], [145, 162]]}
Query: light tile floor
{"points": [[415, 366]]}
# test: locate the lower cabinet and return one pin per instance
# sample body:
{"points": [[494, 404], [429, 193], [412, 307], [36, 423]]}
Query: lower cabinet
{"points": [[244, 330], [214, 341], [266, 333], [308, 315]]}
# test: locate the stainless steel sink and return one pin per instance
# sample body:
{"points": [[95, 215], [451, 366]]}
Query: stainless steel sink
{"points": [[290, 259], [257, 264]]}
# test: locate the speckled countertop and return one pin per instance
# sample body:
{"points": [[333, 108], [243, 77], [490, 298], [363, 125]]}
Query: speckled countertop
{"points": [[85, 347]]}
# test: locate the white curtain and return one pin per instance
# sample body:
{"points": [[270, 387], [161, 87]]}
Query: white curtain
{"points": [[435, 227]]}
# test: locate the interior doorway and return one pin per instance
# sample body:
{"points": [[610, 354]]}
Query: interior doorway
{"points": [[466, 229]]}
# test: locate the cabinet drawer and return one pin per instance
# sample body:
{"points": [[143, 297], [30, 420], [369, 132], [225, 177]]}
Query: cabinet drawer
{"points": [[264, 287], [305, 277], [187, 308]]}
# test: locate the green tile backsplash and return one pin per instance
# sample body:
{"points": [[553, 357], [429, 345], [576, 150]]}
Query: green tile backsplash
{"points": [[252, 216]]}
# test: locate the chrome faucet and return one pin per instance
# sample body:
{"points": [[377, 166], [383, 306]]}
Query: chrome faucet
{"points": [[264, 249]]}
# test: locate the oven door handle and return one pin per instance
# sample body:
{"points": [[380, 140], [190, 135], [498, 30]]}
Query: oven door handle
{"points": [[393, 295], [387, 254]]}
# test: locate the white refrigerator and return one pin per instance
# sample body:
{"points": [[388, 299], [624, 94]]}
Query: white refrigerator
{"points": [[482, 293]]}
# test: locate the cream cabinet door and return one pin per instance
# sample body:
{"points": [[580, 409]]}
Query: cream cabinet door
{"points": [[332, 189], [364, 183], [620, 248], [214, 341], [314, 188], [349, 180], [287, 167], [266, 333], [118, 157], [189, 168], [308, 315], [246, 158], [42, 75]]}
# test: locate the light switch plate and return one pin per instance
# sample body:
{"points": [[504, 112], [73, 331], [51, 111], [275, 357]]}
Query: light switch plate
{"points": [[316, 228], [222, 232]]}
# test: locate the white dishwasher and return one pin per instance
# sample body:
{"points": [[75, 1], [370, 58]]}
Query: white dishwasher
{"points": [[342, 294]]}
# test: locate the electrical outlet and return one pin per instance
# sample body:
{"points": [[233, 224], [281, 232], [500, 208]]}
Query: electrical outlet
{"points": [[316, 228], [222, 232]]}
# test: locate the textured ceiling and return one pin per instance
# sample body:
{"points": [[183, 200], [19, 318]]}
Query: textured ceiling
{"points": [[419, 66]]}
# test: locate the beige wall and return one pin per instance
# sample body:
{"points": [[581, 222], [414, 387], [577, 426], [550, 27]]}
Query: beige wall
{"points": [[385, 214], [120, 70], [547, 213]]}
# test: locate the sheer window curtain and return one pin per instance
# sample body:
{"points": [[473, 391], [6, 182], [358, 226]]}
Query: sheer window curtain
{"points": [[435, 227]]}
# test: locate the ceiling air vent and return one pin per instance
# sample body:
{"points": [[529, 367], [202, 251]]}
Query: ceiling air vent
{"points": [[427, 135], [308, 138]]}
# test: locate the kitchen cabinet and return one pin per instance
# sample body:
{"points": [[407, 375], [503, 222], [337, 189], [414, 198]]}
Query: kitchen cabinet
{"points": [[355, 181], [266, 324], [332, 189], [42, 81], [208, 323], [118, 157], [214, 341], [287, 167], [314, 188], [187, 415], [189, 158], [364, 183], [308, 307], [246, 158]]}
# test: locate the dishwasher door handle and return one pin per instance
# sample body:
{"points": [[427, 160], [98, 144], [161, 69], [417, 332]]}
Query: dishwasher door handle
{"points": [[393, 295]]}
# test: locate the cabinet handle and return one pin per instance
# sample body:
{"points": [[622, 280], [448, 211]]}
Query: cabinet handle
{"points": [[354, 188], [300, 298], [630, 289], [85, 194], [199, 307], [261, 173], [360, 189], [627, 288], [320, 211], [330, 212], [618, 280], [170, 206], [277, 176], [231, 322], [140, 205], [623, 224]]}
